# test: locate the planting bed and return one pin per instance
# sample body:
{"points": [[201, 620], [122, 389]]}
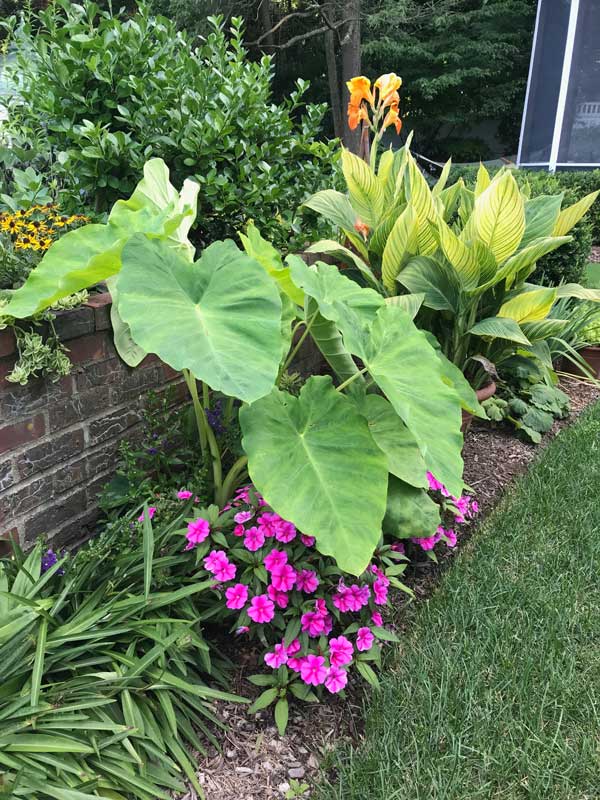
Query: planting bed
{"points": [[257, 764]]}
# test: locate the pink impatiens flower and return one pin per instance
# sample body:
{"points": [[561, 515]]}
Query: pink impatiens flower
{"points": [[295, 663], [398, 547], [341, 599], [281, 599], [380, 590], [197, 532], [313, 670], [262, 609], [243, 516], [275, 558], [254, 539], [307, 541], [184, 495], [307, 581], [364, 639], [239, 530], [313, 623], [151, 512], [450, 537], [340, 651], [278, 657], [268, 523], [336, 679], [225, 572], [283, 577], [237, 596], [358, 596], [426, 543], [285, 531], [216, 559], [377, 619]]}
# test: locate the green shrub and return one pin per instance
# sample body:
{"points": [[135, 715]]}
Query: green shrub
{"points": [[567, 264], [111, 91]]}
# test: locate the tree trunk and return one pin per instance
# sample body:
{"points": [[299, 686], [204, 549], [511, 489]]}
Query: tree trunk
{"points": [[264, 11], [350, 64], [333, 74]]}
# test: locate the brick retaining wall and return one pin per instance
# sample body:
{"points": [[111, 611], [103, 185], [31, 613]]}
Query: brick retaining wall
{"points": [[58, 441]]}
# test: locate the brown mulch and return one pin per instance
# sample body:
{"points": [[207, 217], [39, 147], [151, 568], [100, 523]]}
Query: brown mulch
{"points": [[255, 763]]}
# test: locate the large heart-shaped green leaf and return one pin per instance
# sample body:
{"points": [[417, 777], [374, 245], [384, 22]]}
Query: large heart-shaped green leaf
{"points": [[91, 254], [391, 435], [315, 461], [410, 511], [406, 368], [269, 258], [331, 289], [220, 317]]}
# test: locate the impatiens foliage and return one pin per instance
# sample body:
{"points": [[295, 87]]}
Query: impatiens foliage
{"points": [[314, 622]]}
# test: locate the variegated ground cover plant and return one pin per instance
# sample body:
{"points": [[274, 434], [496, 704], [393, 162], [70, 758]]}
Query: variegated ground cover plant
{"points": [[463, 255], [351, 445]]}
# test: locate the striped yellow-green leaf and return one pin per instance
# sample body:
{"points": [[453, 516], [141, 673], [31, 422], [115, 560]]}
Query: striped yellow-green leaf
{"points": [[411, 303], [365, 190], [483, 180], [499, 217], [541, 214], [462, 257], [449, 198], [420, 198], [334, 206], [500, 328], [529, 306], [522, 264], [580, 292], [569, 217], [330, 247], [425, 275], [401, 244], [443, 179]]}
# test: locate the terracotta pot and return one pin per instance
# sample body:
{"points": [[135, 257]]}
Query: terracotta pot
{"points": [[589, 354], [482, 394]]}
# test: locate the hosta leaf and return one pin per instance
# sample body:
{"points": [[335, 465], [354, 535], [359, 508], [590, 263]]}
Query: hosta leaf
{"points": [[334, 206], [220, 318], [410, 511], [366, 192], [406, 368], [499, 217], [500, 328], [541, 213], [269, 258], [401, 244], [569, 217], [314, 460], [424, 275], [331, 248], [462, 257], [529, 306], [404, 459]]}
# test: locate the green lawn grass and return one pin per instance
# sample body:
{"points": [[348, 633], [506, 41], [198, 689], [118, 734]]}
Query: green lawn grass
{"points": [[592, 275], [494, 692]]}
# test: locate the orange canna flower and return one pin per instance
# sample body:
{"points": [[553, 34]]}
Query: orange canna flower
{"points": [[393, 118], [360, 89], [356, 114], [362, 228], [387, 85]]}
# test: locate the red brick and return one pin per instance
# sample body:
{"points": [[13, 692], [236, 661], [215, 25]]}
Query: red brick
{"points": [[6, 541], [89, 348], [23, 498], [51, 452], [78, 408], [7, 342], [63, 509], [13, 436], [100, 304]]}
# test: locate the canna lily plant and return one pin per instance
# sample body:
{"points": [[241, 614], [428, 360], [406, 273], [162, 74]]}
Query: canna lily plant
{"points": [[377, 108], [462, 256], [347, 458]]}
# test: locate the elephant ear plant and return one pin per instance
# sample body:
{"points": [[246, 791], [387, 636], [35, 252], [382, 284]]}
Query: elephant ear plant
{"points": [[467, 255], [345, 459]]}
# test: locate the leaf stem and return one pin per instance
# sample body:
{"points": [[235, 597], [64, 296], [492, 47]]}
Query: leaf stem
{"points": [[198, 411], [351, 379], [299, 343], [230, 480]]}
